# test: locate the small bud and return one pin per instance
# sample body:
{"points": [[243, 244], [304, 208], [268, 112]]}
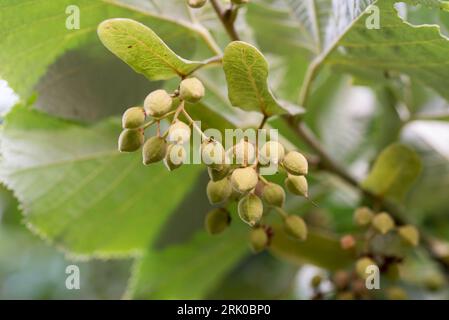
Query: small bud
{"points": [[383, 222], [396, 293], [175, 157], [295, 163], [410, 234], [213, 154], [195, 4], [250, 209], [297, 185], [158, 103], [216, 175], [130, 140], [244, 179], [179, 132], [244, 153], [217, 220], [295, 227], [133, 118], [154, 150], [361, 266], [191, 90], [258, 239], [218, 191], [273, 195], [316, 281], [272, 152], [363, 216], [347, 242]]}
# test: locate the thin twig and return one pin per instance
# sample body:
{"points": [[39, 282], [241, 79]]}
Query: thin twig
{"points": [[226, 19]]}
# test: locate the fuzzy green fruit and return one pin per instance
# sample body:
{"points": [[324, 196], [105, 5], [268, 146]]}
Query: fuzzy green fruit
{"points": [[363, 216], [250, 209], [133, 118], [409, 234], [191, 90], [158, 103], [297, 185], [179, 132], [244, 179], [244, 153], [213, 154], [295, 163], [217, 220], [258, 239], [295, 227], [271, 152], [195, 4], [361, 266], [383, 223], [130, 140], [273, 195], [154, 150], [218, 191], [175, 157]]}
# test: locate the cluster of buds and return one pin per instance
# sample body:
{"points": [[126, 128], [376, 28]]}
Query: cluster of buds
{"points": [[235, 173]]}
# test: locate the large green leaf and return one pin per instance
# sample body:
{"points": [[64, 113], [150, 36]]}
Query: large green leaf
{"points": [[143, 50], [76, 190], [394, 172], [190, 270], [246, 72]]}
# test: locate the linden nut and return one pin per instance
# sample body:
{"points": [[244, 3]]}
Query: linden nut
{"points": [[383, 222], [217, 220], [361, 267], [213, 154], [409, 234], [218, 191], [297, 185], [191, 90], [179, 132], [244, 179], [158, 103], [258, 239], [133, 118], [130, 140], [273, 195], [154, 150], [244, 153], [175, 157], [363, 216], [216, 175], [195, 4], [295, 163], [271, 152], [250, 209], [295, 227]]}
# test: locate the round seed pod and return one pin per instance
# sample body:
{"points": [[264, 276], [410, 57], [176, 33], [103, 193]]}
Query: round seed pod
{"points": [[363, 216], [217, 220], [297, 185], [295, 163], [258, 239], [154, 150], [158, 103], [130, 140], [295, 227], [216, 175], [179, 132], [250, 209], [244, 153], [213, 154], [175, 157], [273, 195], [195, 4], [271, 152], [191, 90], [133, 118], [361, 266], [218, 191], [409, 234], [383, 222], [396, 293], [244, 179]]}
